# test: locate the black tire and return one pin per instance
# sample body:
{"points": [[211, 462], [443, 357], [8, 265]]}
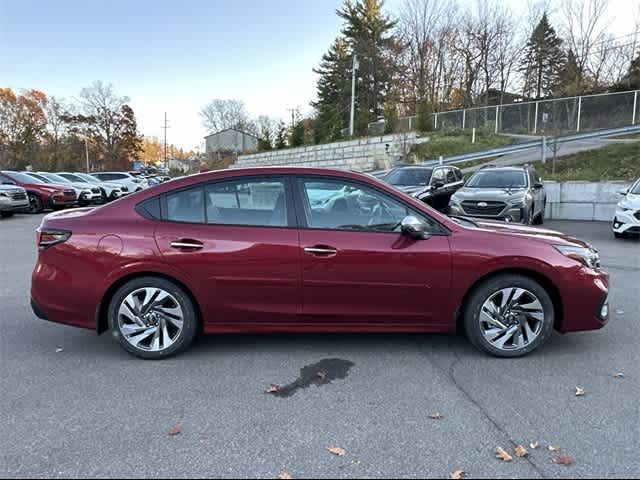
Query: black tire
{"points": [[190, 320], [471, 313], [539, 220], [6, 214], [619, 235], [35, 204]]}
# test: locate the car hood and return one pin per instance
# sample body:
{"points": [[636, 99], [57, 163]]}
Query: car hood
{"points": [[10, 189], [489, 194], [545, 235]]}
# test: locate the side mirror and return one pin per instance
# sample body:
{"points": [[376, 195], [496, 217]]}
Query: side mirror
{"points": [[9, 182], [538, 185], [624, 192], [438, 185], [414, 228]]}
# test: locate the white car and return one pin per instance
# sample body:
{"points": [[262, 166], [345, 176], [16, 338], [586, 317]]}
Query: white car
{"points": [[122, 178], [110, 191], [87, 194], [627, 220]]}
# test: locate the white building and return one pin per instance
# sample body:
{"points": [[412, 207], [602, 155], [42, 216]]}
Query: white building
{"points": [[231, 140]]}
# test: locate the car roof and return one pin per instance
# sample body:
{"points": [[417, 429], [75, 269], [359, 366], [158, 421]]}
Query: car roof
{"points": [[506, 168]]}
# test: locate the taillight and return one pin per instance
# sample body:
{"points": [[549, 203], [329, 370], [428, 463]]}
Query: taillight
{"points": [[46, 238]]}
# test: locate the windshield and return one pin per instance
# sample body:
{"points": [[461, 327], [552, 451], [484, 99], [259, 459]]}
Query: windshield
{"points": [[88, 178], [23, 177], [406, 177], [41, 178], [498, 179], [54, 178], [636, 189], [73, 178]]}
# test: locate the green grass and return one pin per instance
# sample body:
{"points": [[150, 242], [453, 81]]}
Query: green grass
{"points": [[613, 162], [455, 143]]}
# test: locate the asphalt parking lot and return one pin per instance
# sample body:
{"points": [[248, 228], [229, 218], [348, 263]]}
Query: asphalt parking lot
{"points": [[74, 404]]}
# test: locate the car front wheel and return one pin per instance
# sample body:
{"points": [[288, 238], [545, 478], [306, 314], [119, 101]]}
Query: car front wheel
{"points": [[152, 318], [35, 204], [509, 316]]}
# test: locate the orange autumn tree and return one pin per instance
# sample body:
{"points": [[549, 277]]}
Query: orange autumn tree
{"points": [[22, 127]]}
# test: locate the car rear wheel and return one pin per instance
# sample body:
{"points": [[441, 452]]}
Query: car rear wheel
{"points": [[35, 204], [509, 316], [152, 318]]}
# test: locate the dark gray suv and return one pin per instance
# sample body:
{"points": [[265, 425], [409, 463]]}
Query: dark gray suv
{"points": [[514, 194]]}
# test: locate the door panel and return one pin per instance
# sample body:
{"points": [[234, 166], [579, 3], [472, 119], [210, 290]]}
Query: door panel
{"points": [[376, 278], [244, 274]]}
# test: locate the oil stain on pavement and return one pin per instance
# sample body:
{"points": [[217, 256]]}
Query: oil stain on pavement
{"points": [[321, 373]]}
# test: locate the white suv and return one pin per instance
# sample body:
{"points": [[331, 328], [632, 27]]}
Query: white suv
{"points": [[121, 178], [627, 219]]}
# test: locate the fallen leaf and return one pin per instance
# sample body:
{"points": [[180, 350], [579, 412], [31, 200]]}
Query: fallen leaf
{"points": [[284, 476], [618, 375], [273, 389], [457, 475], [521, 452], [503, 455], [553, 448], [339, 452], [176, 430], [436, 416], [322, 375], [562, 460], [620, 312], [59, 350], [534, 445]]}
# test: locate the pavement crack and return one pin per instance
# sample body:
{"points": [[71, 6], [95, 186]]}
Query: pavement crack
{"points": [[451, 373]]}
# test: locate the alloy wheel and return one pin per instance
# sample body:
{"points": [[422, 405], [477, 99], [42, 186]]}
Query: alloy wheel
{"points": [[150, 319], [511, 319]]}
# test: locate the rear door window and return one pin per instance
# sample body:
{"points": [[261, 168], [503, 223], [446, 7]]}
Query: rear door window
{"points": [[257, 202]]}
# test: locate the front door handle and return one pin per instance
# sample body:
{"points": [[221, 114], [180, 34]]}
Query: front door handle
{"points": [[321, 251], [187, 245]]}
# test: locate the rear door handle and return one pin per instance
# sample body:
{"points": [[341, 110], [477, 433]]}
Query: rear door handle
{"points": [[321, 251], [187, 245]]}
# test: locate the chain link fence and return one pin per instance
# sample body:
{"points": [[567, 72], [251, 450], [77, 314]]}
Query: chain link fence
{"points": [[560, 116]]}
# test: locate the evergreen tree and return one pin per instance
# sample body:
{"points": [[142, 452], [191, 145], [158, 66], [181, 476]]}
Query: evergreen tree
{"points": [[570, 78], [334, 93], [543, 60], [297, 137], [281, 136]]}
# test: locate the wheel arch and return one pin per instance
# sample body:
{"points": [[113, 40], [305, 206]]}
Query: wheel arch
{"points": [[102, 323], [542, 279]]}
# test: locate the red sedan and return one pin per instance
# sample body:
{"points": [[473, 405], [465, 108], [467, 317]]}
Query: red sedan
{"points": [[307, 250]]}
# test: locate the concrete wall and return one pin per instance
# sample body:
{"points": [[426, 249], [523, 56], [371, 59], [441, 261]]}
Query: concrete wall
{"points": [[583, 200], [366, 154]]}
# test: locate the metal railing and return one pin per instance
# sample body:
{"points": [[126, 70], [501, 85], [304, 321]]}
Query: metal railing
{"points": [[542, 144], [543, 117]]}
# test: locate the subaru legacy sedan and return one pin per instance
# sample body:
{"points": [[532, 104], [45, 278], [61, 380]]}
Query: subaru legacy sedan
{"points": [[307, 250]]}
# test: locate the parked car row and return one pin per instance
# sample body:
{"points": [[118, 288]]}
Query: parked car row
{"points": [[513, 194], [37, 191]]}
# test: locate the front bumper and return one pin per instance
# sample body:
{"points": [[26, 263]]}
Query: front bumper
{"points": [[13, 206], [585, 297], [626, 221], [510, 214]]}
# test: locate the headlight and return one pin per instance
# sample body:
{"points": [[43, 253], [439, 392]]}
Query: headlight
{"points": [[519, 202], [587, 256]]}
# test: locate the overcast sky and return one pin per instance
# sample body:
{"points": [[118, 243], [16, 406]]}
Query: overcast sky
{"points": [[175, 56]]}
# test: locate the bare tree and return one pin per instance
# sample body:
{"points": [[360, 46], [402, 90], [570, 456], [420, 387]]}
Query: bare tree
{"points": [[221, 114], [585, 30]]}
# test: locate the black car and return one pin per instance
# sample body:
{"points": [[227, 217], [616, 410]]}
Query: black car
{"points": [[433, 185]]}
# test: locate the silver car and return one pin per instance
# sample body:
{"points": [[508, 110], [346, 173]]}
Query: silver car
{"points": [[512, 194], [13, 199]]}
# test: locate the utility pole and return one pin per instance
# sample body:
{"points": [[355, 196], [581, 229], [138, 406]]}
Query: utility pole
{"points": [[352, 121], [86, 148], [165, 127], [293, 117]]}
